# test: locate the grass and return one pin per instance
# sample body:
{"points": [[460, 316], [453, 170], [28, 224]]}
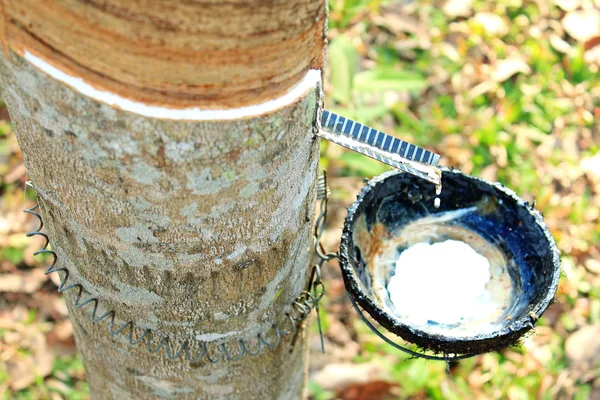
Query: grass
{"points": [[427, 77], [529, 131]]}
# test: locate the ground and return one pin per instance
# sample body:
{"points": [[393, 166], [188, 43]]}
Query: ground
{"points": [[509, 91]]}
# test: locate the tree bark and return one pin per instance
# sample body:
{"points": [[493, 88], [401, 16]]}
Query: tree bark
{"points": [[199, 231], [200, 53]]}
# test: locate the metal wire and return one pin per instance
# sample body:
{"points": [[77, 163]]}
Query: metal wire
{"points": [[321, 222], [447, 358], [300, 309]]}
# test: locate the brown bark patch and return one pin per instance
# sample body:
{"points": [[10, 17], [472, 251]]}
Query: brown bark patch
{"points": [[207, 54]]}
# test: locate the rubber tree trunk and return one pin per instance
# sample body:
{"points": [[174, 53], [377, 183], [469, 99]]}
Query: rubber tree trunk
{"points": [[193, 229]]}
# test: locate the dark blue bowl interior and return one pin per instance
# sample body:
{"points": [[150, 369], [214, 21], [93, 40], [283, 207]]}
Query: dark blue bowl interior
{"points": [[502, 218]]}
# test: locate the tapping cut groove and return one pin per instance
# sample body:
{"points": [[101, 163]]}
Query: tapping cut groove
{"points": [[233, 54]]}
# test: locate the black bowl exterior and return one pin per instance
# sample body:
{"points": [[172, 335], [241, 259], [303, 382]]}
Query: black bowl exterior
{"points": [[539, 283]]}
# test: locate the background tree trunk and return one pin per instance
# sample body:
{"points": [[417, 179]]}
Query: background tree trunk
{"points": [[196, 230]]}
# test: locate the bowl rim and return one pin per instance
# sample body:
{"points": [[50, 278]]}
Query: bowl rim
{"points": [[439, 343]]}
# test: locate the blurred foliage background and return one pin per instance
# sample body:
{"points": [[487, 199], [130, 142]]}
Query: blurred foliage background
{"points": [[508, 91]]}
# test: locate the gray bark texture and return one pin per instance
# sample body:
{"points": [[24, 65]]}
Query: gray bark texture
{"points": [[199, 231]]}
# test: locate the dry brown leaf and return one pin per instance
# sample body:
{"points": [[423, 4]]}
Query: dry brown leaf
{"points": [[55, 278], [583, 346], [43, 356], [56, 396], [33, 357], [489, 173], [561, 45], [21, 372], [592, 56], [568, 5], [63, 330], [337, 331], [582, 25], [592, 265], [14, 221], [492, 23], [397, 23], [504, 69], [592, 43], [591, 165], [28, 256], [458, 8], [22, 283], [57, 385], [374, 390], [336, 377], [59, 305], [482, 88], [16, 173], [477, 378]]}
